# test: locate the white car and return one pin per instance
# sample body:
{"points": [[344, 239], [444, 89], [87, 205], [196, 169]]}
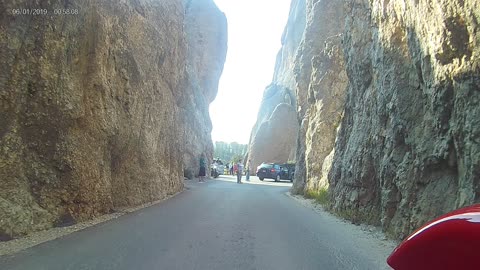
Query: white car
{"points": [[217, 168]]}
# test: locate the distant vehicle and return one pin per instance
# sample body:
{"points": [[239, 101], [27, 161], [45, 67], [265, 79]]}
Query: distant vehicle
{"points": [[276, 171], [217, 168], [449, 242]]}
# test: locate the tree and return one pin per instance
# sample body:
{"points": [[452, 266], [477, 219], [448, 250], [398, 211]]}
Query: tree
{"points": [[230, 151]]}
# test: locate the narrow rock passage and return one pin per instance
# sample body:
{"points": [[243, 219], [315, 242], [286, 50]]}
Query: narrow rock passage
{"points": [[217, 225]]}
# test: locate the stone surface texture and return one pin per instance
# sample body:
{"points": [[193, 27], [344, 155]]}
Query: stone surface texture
{"points": [[93, 109], [206, 35], [389, 111], [273, 139], [408, 148], [321, 83]]}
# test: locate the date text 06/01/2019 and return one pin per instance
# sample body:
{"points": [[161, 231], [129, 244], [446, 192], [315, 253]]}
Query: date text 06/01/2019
{"points": [[43, 11]]}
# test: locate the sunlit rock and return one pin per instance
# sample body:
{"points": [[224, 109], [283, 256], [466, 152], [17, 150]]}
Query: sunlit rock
{"points": [[321, 83], [206, 35], [97, 107], [387, 96], [265, 146]]}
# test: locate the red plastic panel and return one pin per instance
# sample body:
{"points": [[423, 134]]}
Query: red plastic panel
{"points": [[451, 241]]}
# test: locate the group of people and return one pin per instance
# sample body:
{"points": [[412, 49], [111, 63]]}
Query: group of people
{"points": [[236, 168], [231, 168]]}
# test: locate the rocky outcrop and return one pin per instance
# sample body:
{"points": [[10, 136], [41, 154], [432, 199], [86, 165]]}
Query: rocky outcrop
{"points": [[93, 110], [408, 147], [273, 139], [291, 38], [390, 121], [321, 85], [206, 34]]}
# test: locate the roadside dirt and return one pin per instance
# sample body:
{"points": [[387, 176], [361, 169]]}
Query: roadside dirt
{"points": [[373, 236]]}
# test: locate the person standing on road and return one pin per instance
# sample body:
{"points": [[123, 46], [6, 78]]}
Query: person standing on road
{"points": [[249, 164], [203, 169], [231, 168], [239, 172]]}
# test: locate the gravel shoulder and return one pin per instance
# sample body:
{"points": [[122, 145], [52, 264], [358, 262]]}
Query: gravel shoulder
{"points": [[370, 238], [36, 238]]}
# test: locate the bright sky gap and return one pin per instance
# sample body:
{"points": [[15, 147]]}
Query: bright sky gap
{"points": [[254, 39]]}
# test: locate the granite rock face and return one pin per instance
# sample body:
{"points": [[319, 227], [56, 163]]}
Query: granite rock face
{"points": [[409, 144], [206, 34], [387, 96], [274, 140], [93, 110], [321, 83]]}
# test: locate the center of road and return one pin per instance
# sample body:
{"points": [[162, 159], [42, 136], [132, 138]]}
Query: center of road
{"points": [[214, 225]]}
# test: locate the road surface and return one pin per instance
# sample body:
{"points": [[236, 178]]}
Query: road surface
{"points": [[213, 225]]}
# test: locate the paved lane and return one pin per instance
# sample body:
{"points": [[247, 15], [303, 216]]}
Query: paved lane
{"points": [[216, 225]]}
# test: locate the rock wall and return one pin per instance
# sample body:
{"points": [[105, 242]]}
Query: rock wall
{"points": [[408, 148], [93, 110], [321, 83], [206, 34], [274, 140], [390, 122], [291, 38], [273, 136]]}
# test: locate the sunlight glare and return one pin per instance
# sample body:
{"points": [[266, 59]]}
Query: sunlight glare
{"points": [[254, 39]]}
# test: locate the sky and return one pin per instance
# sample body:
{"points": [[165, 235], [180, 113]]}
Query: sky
{"points": [[255, 29]]}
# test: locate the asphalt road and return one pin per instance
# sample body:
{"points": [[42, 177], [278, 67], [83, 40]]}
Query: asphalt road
{"points": [[213, 225]]}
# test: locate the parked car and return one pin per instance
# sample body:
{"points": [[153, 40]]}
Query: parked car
{"points": [[217, 168], [276, 171]]}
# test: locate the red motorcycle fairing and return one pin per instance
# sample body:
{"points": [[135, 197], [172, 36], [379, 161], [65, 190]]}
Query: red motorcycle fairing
{"points": [[451, 241]]}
